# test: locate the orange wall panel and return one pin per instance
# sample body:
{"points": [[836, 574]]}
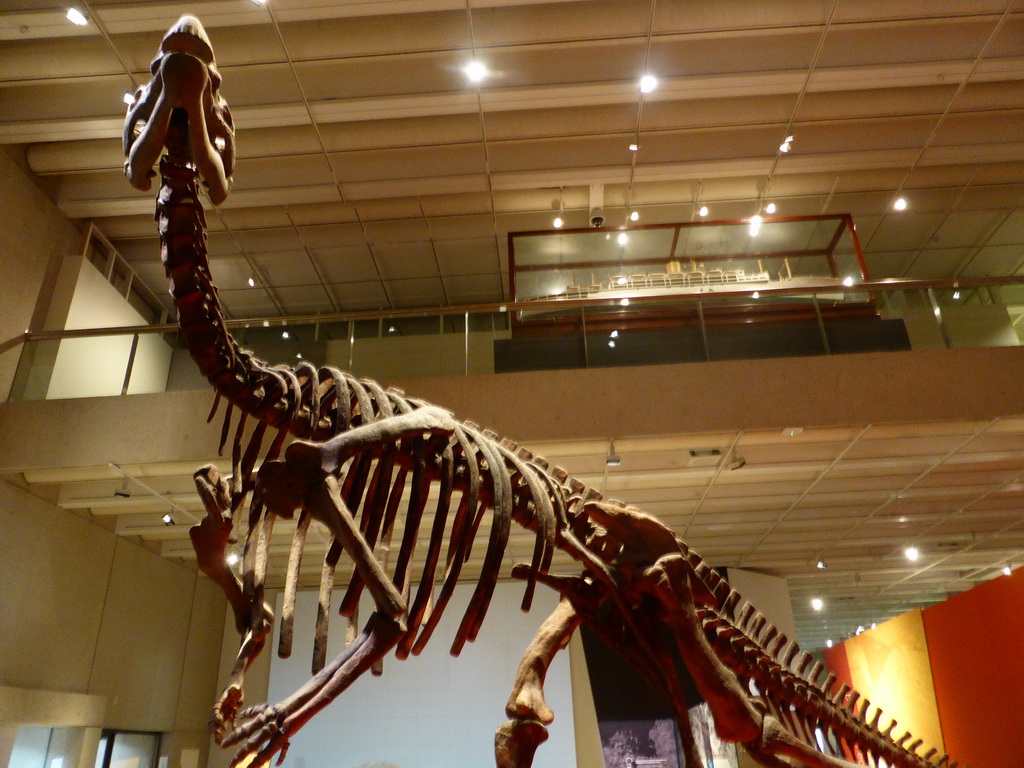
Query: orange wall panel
{"points": [[978, 667], [890, 666]]}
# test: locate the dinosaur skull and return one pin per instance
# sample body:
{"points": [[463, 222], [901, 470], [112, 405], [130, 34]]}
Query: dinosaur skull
{"points": [[185, 77]]}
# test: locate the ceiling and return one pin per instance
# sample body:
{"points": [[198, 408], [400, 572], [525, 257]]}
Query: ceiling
{"points": [[373, 175]]}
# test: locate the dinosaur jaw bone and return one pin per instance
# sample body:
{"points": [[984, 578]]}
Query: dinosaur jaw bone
{"points": [[184, 77]]}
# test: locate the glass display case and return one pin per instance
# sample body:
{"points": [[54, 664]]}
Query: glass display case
{"points": [[771, 255]]}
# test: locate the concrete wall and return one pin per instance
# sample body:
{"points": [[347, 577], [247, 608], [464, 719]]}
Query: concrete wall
{"points": [[99, 632], [34, 239]]}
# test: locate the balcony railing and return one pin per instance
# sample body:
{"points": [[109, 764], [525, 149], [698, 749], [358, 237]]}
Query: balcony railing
{"points": [[731, 322]]}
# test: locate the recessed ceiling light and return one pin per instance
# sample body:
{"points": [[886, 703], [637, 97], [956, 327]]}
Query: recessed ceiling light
{"points": [[912, 553], [557, 223], [817, 603], [75, 16], [475, 71], [634, 216], [648, 83], [703, 211], [900, 204], [770, 208], [623, 238]]}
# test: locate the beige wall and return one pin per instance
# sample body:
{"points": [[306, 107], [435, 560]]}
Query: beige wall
{"points": [[34, 238], [112, 634]]}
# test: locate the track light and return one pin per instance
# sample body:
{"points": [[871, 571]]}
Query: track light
{"points": [[613, 459], [900, 204], [557, 223], [1006, 570], [703, 211], [820, 565], [123, 491], [770, 208], [168, 519], [648, 83]]}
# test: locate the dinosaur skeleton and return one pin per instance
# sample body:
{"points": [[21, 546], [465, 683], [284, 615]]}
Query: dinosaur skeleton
{"points": [[364, 454]]}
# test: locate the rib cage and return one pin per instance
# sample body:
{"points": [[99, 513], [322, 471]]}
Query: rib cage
{"points": [[487, 473]]}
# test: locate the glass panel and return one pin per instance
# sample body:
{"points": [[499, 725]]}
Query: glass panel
{"points": [[31, 744], [134, 750]]}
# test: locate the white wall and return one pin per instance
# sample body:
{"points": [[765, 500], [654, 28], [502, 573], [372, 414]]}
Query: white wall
{"points": [[98, 631], [95, 367], [431, 710]]}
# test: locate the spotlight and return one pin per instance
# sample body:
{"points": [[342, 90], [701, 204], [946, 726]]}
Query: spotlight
{"points": [[634, 147], [232, 558], [756, 295], [860, 631], [624, 303], [956, 295], [847, 281], [123, 491], [770, 208], [475, 71], [738, 462], [786, 144], [820, 565], [634, 216], [912, 553], [613, 335], [252, 282], [900, 204], [817, 603], [128, 98], [557, 223], [1006, 570], [623, 238], [611, 343], [621, 281], [703, 211], [75, 16], [755, 225], [168, 520], [648, 83], [285, 335], [828, 643], [613, 459]]}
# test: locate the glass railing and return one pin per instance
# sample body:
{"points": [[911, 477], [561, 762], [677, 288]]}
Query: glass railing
{"points": [[734, 322]]}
